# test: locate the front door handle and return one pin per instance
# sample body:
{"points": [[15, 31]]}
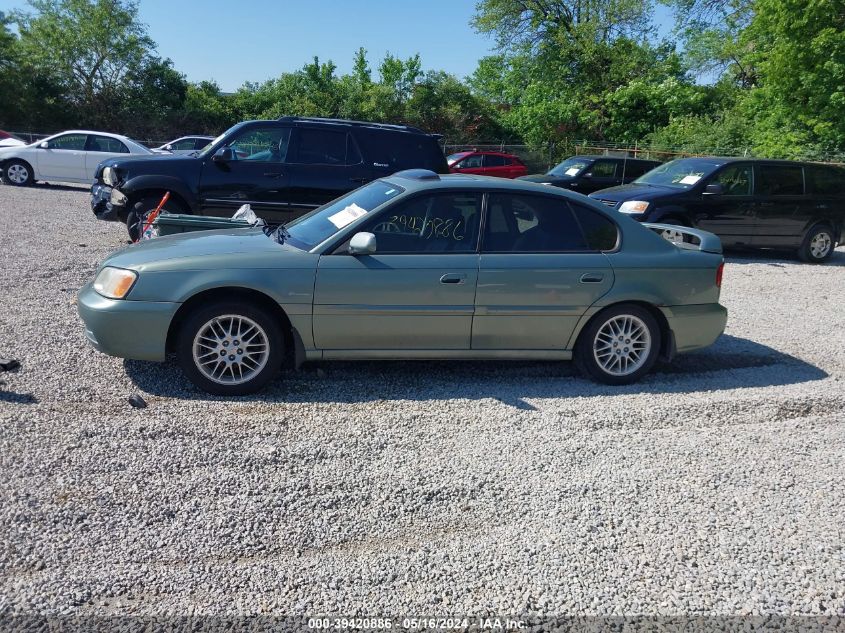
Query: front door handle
{"points": [[452, 278], [591, 278], [273, 174], [361, 180]]}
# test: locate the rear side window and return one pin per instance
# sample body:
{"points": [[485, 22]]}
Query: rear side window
{"points": [[394, 151], [779, 180], [492, 160], [321, 147], [202, 142], [105, 144], [825, 181], [184, 143], [635, 169], [600, 232], [531, 224]]}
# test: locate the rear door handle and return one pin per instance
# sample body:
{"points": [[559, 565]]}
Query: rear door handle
{"points": [[361, 180], [452, 278], [591, 278], [273, 174]]}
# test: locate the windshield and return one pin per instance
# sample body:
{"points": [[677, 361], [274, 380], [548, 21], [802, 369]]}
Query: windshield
{"points": [[319, 225], [454, 158], [570, 167], [683, 173], [211, 144]]}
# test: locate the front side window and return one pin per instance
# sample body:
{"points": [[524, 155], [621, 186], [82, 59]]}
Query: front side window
{"points": [[183, 144], [779, 180], [603, 169], [320, 147], [735, 180], [635, 169], [322, 223], [683, 173], [471, 162], [69, 142], [262, 144], [531, 224], [105, 144], [437, 223]]}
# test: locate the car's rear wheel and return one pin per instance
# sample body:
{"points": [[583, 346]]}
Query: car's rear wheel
{"points": [[136, 219], [230, 349], [17, 173], [619, 345], [818, 244]]}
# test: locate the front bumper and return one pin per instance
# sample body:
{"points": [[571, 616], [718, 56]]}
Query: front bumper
{"points": [[102, 205], [125, 328], [696, 326]]}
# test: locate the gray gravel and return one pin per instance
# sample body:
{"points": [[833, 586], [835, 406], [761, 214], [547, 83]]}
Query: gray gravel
{"points": [[713, 487]]}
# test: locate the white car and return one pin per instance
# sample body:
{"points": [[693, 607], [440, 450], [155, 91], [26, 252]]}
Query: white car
{"points": [[70, 156], [184, 145], [7, 140]]}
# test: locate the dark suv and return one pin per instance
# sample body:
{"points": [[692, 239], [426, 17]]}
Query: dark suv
{"points": [[746, 202], [282, 168], [586, 174]]}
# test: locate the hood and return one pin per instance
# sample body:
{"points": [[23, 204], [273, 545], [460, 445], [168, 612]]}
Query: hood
{"points": [[152, 163], [549, 178], [207, 250], [634, 191]]}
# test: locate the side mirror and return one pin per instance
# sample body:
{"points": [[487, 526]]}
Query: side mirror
{"points": [[458, 166], [43, 145], [224, 155], [714, 189], [168, 147], [362, 244], [588, 175]]}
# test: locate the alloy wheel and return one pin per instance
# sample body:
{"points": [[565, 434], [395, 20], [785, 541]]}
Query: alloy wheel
{"points": [[17, 173], [622, 345], [231, 349], [673, 235], [820, 245]]}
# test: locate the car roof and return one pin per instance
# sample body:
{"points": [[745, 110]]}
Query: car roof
{"points": [[622, 158], [484, 151], [413, 180], [111, 134]]}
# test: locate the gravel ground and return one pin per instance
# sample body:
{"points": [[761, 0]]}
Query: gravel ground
{"points": [[713, 487]]}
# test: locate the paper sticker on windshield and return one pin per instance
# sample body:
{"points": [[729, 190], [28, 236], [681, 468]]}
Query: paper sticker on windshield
{"points": [[347, 215], [572, 171], [690, 180], [389, 191]]}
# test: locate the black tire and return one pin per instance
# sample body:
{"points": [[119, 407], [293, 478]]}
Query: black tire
{"points": [[137, 216], [17, 173], [586, 359], [818, 244], [198, 321]]}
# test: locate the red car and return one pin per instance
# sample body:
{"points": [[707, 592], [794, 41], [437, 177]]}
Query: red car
{"points": [[487, 164]]}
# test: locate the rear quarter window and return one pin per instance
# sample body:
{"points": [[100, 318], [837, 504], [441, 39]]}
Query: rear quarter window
{"points": [[825, 181], [394, 151], [600, 232]]}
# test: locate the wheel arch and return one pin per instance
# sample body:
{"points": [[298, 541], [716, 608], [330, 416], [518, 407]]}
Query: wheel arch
{"points": [[293, 341], [19, 159], [175, 197], [667, 339], [661, 213], [142, 186]]}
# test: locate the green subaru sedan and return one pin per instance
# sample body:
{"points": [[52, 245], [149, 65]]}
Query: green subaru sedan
{"points": [[413, 266]]}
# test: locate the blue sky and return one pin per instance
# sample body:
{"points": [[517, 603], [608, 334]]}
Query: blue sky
{"points": [[254, 40]]}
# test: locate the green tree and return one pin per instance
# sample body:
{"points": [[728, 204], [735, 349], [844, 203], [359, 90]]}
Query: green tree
{"points": [[89, 48]]}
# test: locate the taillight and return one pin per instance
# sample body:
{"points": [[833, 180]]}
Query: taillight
{"points": [[719, 272]]}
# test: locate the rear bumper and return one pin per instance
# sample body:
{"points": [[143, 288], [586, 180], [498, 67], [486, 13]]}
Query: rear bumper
{"points": [[102, 205], [127, 329], [696, 326]]}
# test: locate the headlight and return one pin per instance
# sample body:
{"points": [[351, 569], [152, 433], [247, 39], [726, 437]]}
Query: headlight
{"points": [[110, 176], [114, 283], [634, 207]]}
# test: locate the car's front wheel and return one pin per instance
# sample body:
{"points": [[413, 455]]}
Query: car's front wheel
{"points": [[136, 219], [17, 173], [818, 244], [619, 345], [230, 349]]}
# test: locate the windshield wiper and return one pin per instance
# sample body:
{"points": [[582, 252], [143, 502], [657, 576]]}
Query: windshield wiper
{"points": [[282, 234]]}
